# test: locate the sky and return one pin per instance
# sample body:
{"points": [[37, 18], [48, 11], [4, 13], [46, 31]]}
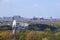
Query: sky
{"points": [[30, 8]]}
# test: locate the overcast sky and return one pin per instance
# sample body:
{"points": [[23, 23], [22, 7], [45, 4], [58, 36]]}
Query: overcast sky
{"points": [[30, 8]]}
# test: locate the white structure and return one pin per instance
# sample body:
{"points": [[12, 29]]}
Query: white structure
{"points": [[24, 24], [14, 27]]}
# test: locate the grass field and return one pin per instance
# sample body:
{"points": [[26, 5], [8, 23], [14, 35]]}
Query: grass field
{"points": [[7, 35], [29, 35]]}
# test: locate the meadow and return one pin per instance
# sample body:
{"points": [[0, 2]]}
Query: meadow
{"points": [[30, 35]]}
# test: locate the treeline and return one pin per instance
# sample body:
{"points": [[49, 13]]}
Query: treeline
{"points": [[41, 27]]}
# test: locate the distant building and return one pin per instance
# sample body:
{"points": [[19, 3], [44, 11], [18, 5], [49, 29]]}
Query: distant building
{"points": [[34, 18], [24, 24], [7, 18], [16, 17], [41, 18]]}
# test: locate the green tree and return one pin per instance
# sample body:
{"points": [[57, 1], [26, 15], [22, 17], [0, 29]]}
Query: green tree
{"points": [[37, 35], [58, 36], [33, 28], [1, 38], [49, 34], [22, 35]]}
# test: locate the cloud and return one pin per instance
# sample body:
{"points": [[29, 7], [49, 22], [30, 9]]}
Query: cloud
{"points": [[2, 8], [54, 6], [35, 6], [6, 1], [31, 7], [58, 5]]}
